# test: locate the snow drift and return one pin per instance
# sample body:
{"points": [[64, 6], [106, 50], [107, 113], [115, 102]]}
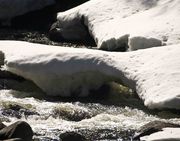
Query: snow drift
{"points": [[13, 8], [119, 24], [154, 73], [168, 134]]}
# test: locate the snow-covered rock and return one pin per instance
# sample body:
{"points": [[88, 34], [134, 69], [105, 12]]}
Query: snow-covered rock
{"points": [[13, 8], [154, 73], [168, 134], [118, 24]]}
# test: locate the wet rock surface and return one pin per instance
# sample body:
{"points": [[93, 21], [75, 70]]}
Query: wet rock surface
{"points": [[2, 125], [14, 110], [18, 131], [71, 114], [72, 136]]}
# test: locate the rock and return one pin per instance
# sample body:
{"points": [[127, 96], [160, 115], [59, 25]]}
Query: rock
{"points": [[15, 110], [62, 5], [71, 112], [20, 130], [39, 138], [153, 127], [9, 75], [70, 35], [44, 16], [2, 125], [11, 113], [72, 136], [12, 8]]}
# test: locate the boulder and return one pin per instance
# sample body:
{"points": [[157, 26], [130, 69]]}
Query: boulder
{"points": [[20, 130], [12, 8], [15, 110], [2, 125], [72, 136], [34, 15]]}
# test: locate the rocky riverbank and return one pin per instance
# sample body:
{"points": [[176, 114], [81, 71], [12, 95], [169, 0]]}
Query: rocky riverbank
{"points": [[111, 111]]}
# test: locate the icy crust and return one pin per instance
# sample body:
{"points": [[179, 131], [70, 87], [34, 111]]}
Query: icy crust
{"points": [[154, 73], [116, 24], [168, 134], [12, 8]]}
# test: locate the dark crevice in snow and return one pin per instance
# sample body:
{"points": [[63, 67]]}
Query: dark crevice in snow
{"points": [[10, 81], [1, 59], [121, 44]]}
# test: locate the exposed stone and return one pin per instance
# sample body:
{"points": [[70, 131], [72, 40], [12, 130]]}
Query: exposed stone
{"points": [[20, 129], [71, 113], [10, 9], [15, 110], [2, 125], [72, 136]]}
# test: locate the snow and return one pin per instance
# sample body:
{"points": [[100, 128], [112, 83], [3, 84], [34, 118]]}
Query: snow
{"points": [[12, 8], [60, 71], [168, 134], [115, 24]]}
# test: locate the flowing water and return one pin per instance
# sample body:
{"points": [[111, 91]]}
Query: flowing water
{"points": [[112, 116]]}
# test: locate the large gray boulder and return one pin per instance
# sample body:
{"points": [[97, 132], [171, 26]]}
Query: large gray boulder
{"points": [[17, 131], [13, 8]]}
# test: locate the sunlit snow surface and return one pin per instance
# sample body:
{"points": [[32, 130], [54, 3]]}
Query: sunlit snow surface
{"points": [[168, 134], [154, 73], [118, 23]]}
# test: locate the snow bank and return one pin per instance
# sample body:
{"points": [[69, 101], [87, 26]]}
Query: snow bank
{"points": [[12, 8], [168, 134], [59, 71], [154, 73], [116, 24]]}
